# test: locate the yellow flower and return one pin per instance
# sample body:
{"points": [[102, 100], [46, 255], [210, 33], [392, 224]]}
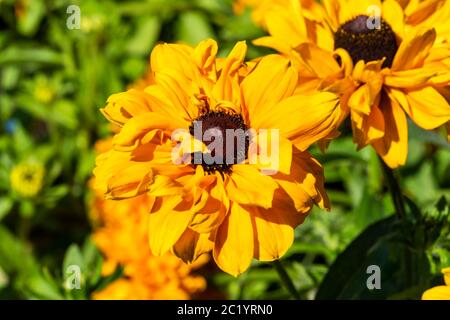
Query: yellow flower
{"points": [[235, 208], [439, 292], [43, 92], [384, 67], [122, 238], [27, 178]]}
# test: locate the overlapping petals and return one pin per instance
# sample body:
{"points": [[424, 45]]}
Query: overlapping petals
{"points": [[247, 212]]}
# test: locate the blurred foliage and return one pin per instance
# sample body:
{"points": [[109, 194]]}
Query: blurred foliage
{"points": [[53, 80]]}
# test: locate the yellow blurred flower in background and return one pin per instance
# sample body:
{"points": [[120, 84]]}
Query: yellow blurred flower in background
{"points": [[122, 237], [386, 62], [260, 7], [439, 292], [231, 209], [27, 178]]}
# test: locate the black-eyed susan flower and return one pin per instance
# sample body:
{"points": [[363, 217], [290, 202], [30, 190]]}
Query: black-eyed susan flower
{"points": [[384, 66], [121, 235], [27, 178], [439, 292], [260, 185]]}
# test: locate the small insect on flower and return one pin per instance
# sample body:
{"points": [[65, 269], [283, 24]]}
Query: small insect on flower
{"points": [[221, 147], [386, 59], [27, 178]]}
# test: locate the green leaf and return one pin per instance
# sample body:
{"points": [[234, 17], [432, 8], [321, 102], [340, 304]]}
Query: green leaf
{"points": [[28, 23], [6, 205], [33, 54], [380, 245], [27, 209], [72, 264], [193, 27], [73, 256], [15, 257], [93, 261], [4, 279], [9, 77], [64, 113], [145, 36], [369, 210], [43, 289]]}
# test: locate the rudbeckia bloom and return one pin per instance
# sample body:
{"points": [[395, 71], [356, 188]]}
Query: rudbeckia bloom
{"points": [[384, 67], [121, 235], [239, 206], [439, 292], [27, 178]]}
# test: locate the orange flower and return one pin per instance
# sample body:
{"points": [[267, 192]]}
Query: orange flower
{"points": [[386, 61], [235, 208]]}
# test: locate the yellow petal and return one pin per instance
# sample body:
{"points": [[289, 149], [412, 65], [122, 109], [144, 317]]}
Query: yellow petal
{"points": [[393, 15], [123, 106], [446, 273], [205, 55], [409, 78], [274, 43], [168, 220], [368, 128], [393, 147], [130, 182], [192, 245], [361, 100], [226, 87], [418, 11], [305, 184], [247, 185], [304, 119], [172, 56], [233, 247], [270, 152], [427, 108], [414, 49], [320, 62], [437, 293], [163, 186], [209, 216], [273, 231], [287, 25], [138, 126], [174, 91], [271, 80]]}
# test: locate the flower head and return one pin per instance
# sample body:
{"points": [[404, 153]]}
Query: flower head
{"points": [[221, 147], [385, 64], [27, 178]]}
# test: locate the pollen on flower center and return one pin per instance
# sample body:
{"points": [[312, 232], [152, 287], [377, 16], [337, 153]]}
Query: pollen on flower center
{"points": [[225, 134], [365, 40]]}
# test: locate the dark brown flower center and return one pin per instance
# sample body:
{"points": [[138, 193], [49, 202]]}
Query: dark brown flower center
{"points": [[227, 138], [365, 39]]}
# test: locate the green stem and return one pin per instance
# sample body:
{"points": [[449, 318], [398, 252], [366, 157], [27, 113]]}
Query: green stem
{"points": [[24, 228], [399, 204], [287, 281], [395, 190]]}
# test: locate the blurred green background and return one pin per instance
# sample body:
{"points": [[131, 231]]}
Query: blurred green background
{"points": [[53, 81]]}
